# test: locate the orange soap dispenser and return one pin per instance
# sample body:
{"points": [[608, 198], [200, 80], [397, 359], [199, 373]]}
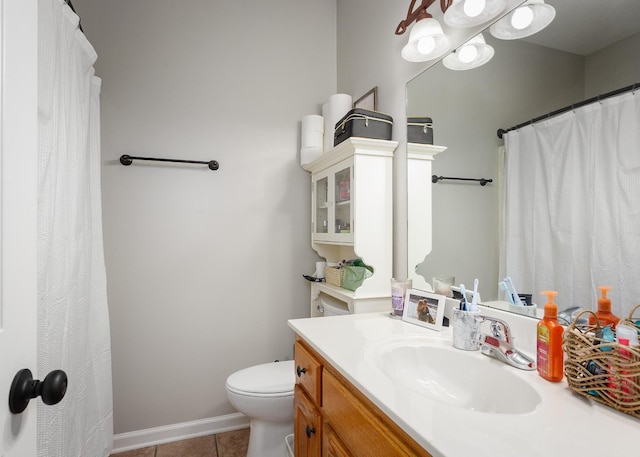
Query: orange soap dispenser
{"points": [[605, 316], [549, 341]]}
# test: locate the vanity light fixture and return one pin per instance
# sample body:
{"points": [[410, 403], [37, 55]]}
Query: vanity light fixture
{"points": [[427, 41], [527, 19], [469, 13], [472, 54]]}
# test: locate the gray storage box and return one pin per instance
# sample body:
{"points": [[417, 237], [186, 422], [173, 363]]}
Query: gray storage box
{"points": [[363, 123], [420, 130]]}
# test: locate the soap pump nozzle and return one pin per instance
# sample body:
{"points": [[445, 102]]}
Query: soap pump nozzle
{"points": [[604, 304], [550, 308], [605, 316]]}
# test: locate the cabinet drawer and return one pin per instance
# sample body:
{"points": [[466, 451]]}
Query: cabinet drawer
{"points": [[308, 373], [363, 427]]}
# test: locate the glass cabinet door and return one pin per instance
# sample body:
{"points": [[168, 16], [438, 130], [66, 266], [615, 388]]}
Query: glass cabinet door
{"points": [[342, 192], [322, 205], [333, 213]]}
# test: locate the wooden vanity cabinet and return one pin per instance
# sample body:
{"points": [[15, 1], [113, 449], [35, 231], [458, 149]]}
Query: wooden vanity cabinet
{"points": [[334, 419], [332, 446]]}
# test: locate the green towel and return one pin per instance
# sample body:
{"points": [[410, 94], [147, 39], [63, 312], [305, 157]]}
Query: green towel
{"points": [[355, 275]]}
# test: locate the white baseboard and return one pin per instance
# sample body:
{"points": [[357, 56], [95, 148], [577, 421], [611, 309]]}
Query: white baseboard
{"points": [[176, 432]]}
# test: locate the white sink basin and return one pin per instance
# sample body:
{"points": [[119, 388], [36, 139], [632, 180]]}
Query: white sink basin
{"points": [[469, 380]]}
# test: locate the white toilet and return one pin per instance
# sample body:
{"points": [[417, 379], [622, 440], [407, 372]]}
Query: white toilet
{"points": [[264, 393]]}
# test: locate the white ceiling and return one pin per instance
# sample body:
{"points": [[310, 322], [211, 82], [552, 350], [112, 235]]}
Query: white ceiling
{"points": [[586, 26]]}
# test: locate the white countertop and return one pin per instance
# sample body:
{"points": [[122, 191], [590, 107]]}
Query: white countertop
{"points": [[563, 424]]}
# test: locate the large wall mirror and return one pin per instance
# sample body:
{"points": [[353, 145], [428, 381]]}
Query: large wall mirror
{"points": [[592, 47]]}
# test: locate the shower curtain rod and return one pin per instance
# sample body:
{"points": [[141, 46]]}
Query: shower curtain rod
{"points": [[598, 98], [128, 160]]}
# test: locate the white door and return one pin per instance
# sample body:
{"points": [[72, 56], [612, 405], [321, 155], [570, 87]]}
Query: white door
{"points": [[18, 172]]}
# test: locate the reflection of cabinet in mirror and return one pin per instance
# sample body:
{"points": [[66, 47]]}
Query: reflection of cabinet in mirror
{"points": [[352, 217], [419, 205]]}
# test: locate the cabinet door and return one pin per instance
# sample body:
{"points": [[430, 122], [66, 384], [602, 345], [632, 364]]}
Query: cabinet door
{"points": [[307, 430], [331, 444], [332, 204], [362, 429], [321, 204], [343, 214]]}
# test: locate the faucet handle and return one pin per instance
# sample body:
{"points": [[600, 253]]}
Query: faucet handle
{"points": [[499, 328], [500, 331]]}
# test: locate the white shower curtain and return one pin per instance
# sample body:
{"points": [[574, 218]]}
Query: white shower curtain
{"points": [[572, 205], [73, 321]]}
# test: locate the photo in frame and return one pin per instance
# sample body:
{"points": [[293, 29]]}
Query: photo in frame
{"points": [[424, 308], [368, 101]]}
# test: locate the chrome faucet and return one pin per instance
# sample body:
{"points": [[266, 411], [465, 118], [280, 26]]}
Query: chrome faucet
{"points": [[499, 344]]}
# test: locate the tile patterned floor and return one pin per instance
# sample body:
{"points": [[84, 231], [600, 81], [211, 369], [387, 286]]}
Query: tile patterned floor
{"points": [[227, 444]]}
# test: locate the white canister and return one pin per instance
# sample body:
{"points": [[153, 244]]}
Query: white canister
{"points": [[311, 134], [320, 266]]}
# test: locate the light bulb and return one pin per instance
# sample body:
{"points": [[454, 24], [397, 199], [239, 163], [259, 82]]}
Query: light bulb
{"points": [[474, 7], [467, 54], [426, 45], [522, 18]]}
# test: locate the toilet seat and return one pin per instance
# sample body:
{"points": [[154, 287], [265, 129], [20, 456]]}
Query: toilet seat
{"points": [[265, 380]]}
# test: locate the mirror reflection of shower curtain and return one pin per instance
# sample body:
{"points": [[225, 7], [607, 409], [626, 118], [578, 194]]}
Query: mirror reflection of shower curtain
{"points": [[571, 205], [73, 321]]}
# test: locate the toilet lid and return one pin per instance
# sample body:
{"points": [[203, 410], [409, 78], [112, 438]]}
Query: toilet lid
{"points": [[268, 378]]}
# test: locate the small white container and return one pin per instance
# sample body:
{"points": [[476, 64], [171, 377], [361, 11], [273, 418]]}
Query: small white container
{"points": [[466, 328]]}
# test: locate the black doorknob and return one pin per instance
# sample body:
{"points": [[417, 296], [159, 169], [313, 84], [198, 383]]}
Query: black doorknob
{"points": [[24, 388]]}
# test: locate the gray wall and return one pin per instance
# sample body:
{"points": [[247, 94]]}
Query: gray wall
{"points": [[613, 67], [204, 268]]}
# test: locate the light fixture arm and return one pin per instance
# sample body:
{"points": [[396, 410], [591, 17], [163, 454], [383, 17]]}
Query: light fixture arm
{"points": [[420, 13]]}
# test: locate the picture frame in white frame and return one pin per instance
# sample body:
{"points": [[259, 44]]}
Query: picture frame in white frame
{"points": [[425, 309]]}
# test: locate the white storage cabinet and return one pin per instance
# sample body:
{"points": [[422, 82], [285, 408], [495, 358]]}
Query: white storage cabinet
{"points": [[352, 217]]}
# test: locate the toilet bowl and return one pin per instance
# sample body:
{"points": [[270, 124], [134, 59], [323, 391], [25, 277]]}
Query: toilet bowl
{"points": [[264, 393]]}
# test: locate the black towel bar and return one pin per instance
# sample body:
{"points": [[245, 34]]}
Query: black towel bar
{"points": [[128, 160], [482, 181]]}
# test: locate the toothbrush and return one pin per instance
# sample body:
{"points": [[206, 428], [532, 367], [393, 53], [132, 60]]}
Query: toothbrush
{"points": [[463, 300], [512, 290], [474, 300], [504, 287]]}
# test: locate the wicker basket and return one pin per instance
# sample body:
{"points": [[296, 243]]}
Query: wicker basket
{"points": [[334, 276], [604, 371]]}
